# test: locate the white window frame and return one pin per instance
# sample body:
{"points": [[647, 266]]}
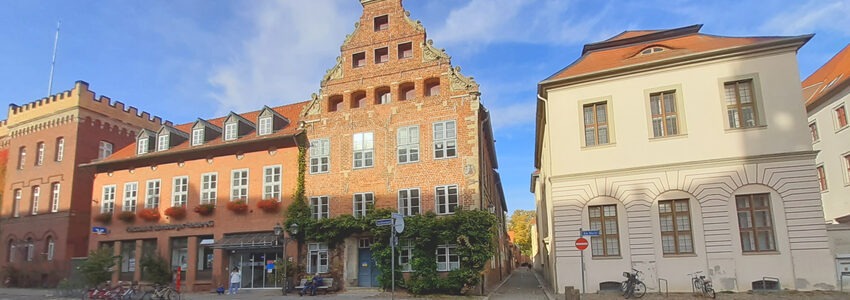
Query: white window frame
{"points": [[30, 250], [239, 190], [265, 126], [363, 145], [107, 200], [407, 148], [153, 190], [36, 194], [39, 159], [162, 142], [22, 157], [320, 207], [231, 131], [142, 146], [51, 248], [180, 191], [60, 148], [272, 179], [405, 199], [104, 150], [209, 188], [444, 202], [450, 257], [55, 194], [361, 203], [320, 150], [197, 136], [320, 250], [406, 254], [16, 204], [445, 140], [131, 196]]}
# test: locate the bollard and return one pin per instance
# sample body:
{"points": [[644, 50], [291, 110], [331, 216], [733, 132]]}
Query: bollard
{"points": [[570, 293]]}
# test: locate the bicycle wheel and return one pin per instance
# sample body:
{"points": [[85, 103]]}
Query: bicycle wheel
{"points": [[623, 287], [147, 296], [171, 294], [710, 292], [639, 289], [697, 285], [630, 290]]}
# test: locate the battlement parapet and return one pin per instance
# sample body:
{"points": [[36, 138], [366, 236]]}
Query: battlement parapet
{"points": [[81, 96]]}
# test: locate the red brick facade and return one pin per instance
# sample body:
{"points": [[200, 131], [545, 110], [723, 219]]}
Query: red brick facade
{"points": [[82, 122]]}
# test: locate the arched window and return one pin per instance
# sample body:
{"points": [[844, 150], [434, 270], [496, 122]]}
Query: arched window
{"points": [[11, 249], [51, 248], [30, 250]]}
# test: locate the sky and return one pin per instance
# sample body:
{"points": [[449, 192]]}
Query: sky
{"points": [[185, 59]]}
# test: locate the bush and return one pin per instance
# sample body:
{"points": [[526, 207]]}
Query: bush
{"points": [[155, 269], [98, 266]]}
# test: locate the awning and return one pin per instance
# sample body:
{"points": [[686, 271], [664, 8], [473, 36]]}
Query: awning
{"points": [[207, 242], [247, 241]]}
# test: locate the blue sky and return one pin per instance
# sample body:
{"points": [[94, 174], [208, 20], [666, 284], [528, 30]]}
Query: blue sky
{"points": [[185, 59]]}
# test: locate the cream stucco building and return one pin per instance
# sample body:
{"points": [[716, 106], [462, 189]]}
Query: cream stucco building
{"points": [[688, 152]]}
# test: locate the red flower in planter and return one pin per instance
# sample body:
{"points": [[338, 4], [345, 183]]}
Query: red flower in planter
{"points": [[176, 212], [237, 206], [127, 216], [104, 218], [205, 209], [149, 214], [269, 205]]}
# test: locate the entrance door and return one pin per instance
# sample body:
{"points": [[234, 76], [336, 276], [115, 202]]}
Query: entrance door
{"points": [[254, 267], [367, 271]]}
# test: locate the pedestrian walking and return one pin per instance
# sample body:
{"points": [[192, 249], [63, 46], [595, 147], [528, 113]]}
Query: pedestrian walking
{"points": [[235, 281]]}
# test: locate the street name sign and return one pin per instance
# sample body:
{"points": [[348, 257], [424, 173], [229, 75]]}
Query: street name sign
{"points": [[590, 233], [383, 222]]}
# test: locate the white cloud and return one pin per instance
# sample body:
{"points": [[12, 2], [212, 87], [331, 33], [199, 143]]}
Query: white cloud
{"points": [[810, 17], [284, 54]]}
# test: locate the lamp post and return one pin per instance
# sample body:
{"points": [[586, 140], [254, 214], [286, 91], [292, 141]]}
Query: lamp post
{"points": [[281, 236]]}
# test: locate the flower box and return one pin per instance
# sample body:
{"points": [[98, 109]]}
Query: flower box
{"points": [[149, 214], [269, 205], [237, 206], [104, 218], [176, 212], [127, 216], [205, 209]]}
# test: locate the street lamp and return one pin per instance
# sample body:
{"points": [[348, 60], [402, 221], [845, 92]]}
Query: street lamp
{"points": [[281, 236]]}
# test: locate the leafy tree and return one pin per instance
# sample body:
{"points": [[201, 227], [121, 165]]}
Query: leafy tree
{"points": [[155, 269], [98, 266], [520, 225]]}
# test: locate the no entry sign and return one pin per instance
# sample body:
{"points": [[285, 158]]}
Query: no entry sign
{"points": [[581, 243]]}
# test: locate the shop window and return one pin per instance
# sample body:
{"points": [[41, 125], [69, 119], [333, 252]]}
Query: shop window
{"points": [[148, 249], [180, 255], [205, 258], [128, 260]]}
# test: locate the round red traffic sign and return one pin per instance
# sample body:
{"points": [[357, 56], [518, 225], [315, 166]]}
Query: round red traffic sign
{"points": [[581, 243]]}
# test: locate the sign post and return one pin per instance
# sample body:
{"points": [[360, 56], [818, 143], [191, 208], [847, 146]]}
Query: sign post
{"points": [[397, 223], [581, 244]]}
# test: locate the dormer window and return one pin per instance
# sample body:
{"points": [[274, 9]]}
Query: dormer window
{"points": [[197, 136], [162, 142], [265, 126], [382, 23], [142, 146], [652, 50], [231, 131]]}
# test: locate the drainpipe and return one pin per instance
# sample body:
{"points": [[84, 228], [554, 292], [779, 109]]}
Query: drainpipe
{"points": [[552, 265]]}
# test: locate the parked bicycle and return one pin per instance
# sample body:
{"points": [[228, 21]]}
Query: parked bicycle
{"points": [[161, 292], [633, 286], [121, 291], [701, 285]]}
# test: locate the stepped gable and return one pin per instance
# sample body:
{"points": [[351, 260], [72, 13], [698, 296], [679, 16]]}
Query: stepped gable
{"points": [[833, 76], [290, 111], [626, 50], [81, 96]]}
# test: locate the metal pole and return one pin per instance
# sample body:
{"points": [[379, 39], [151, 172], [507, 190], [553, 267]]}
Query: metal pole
{"points": [[582, 263], [53, 60], [285, 262], [392, 258]]}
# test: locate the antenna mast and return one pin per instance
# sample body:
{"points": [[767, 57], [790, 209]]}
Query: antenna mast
{"points": [[53, 60]]}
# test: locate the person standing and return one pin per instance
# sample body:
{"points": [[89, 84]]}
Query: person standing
{"points": [[235, 281]]}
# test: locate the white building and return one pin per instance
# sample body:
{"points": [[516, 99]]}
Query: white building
{"points": [[688, 152], [827, 93]]}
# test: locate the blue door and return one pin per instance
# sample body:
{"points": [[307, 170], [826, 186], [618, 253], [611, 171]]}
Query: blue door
{"points": [[367, 271]]}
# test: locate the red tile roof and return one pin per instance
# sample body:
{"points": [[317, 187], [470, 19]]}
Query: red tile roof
{"points": [[291, 112], [624, 50], [835, 73]]}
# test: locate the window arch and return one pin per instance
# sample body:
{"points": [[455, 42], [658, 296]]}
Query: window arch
{"points": [[652, 49], [432, 87]]}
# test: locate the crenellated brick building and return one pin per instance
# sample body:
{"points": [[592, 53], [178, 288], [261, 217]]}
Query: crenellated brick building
{"points": [[46, 197]]}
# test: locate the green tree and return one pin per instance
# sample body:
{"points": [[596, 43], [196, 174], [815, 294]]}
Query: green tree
{"points": [[98, 266], [155, 269], [520, 225]]}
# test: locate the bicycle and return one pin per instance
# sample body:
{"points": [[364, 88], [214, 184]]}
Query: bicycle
{"points": [[702, 285], [633, 286], [161, 292]]}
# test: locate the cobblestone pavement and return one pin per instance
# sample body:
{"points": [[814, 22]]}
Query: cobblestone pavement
{"points": [[814, 295], [521, 284]]}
